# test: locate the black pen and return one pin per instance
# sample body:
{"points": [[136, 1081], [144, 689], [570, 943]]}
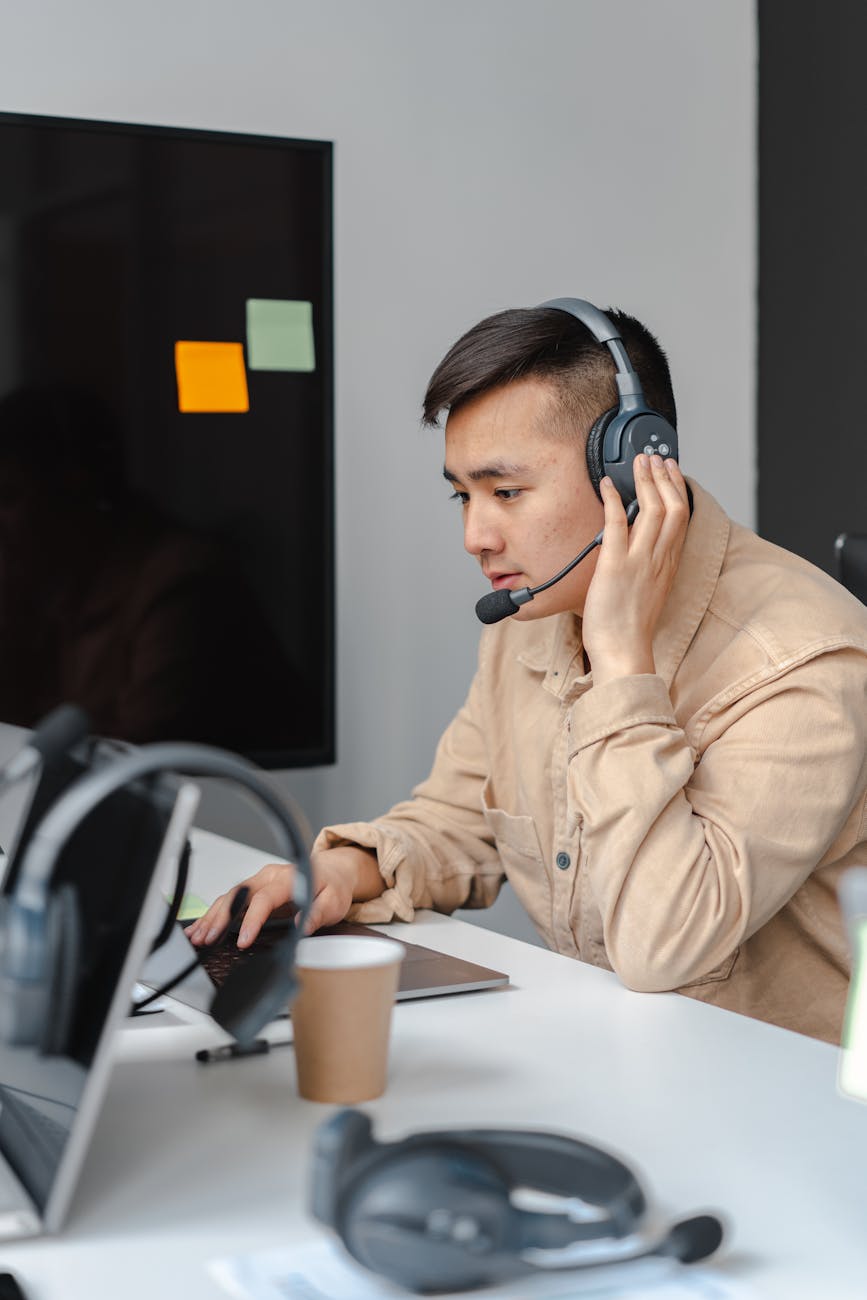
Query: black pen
{"points": [[236, 1051]]}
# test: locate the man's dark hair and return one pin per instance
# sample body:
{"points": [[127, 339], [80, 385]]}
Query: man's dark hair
{"points": [[551, 345]]}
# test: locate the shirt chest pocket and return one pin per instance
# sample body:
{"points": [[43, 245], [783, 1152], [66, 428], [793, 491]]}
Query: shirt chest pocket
{"points": [[519, 850]]}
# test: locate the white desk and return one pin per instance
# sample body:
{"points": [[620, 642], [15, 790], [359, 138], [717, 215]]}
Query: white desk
{"points": [[710, 1109]]}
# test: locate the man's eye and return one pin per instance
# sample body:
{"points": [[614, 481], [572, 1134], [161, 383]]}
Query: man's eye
{"points": [[459, 496], [508, 494]]}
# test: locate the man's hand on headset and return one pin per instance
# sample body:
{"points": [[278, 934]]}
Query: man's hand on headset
{"points": [[635, 570]]}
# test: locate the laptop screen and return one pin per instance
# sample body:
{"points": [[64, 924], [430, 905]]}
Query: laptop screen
{"points": [[107, 873]]}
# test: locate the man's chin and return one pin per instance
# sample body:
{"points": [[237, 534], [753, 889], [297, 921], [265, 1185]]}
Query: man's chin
{"points": [[541, 608], [533, 610]]}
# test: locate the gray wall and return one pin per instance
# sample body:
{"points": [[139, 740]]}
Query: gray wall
{"points": [[488, 153]]}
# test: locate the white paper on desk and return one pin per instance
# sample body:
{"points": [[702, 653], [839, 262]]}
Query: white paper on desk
{"points": [[141, 991], [322, 1271]]}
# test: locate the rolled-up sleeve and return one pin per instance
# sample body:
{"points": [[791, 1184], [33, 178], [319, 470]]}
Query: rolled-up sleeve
{"points": [[692, 847], [435, 849]]}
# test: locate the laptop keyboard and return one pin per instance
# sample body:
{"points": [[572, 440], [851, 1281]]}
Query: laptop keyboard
{"points": [[226, 956], [31, 1141]]}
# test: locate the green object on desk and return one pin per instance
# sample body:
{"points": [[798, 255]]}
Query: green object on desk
{"points": [[191, 908]]}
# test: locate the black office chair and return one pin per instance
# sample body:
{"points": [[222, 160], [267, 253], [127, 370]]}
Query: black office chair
{"points": [[850, 556]]}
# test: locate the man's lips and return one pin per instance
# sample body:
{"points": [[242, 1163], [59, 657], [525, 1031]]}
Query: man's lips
{"points": [[501, 581]]}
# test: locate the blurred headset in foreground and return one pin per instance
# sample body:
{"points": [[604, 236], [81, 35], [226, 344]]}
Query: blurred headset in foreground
{"points": [[437, 1212], [41, 926]]}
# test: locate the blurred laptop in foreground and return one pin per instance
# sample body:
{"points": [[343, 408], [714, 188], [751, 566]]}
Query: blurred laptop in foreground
{"points": [[52, 1087]]}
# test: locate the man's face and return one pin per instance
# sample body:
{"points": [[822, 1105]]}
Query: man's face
{"points": [[527, 502]]}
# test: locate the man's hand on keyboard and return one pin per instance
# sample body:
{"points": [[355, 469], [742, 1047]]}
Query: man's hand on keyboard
{"points": [[341, 876]]}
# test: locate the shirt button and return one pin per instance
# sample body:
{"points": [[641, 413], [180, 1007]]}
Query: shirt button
{"points": [[563, 861]]}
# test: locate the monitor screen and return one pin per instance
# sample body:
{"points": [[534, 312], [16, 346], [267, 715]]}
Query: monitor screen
{"points": [[166, 439]]}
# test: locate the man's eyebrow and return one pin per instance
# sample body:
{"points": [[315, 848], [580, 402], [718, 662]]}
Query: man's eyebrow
{"points": [[498, 469]]}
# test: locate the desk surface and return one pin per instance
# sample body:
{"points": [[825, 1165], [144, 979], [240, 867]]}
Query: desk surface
{"points": [[711, 1109]]}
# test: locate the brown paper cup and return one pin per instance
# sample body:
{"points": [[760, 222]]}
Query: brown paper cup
{"points": [[341, 1018]]}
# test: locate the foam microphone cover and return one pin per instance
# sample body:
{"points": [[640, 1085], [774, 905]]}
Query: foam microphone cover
{"points": [[693, 1239], [496, 606], [64, 727]]}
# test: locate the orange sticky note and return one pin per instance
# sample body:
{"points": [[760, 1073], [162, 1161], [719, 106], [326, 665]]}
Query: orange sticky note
{"points": [[211, 377]]}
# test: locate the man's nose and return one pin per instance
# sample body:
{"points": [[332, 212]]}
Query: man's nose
{"points": [[480, 530]]}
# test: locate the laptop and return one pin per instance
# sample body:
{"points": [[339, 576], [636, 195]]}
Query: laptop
{"points": [[49, 1105], [424, 972]]}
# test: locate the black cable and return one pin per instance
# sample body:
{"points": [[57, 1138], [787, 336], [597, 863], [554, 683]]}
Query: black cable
{"points": [[597, 541], [138, 1007], [183, 871]]}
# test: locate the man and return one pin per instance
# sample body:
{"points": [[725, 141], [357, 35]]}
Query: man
{"points": [[664, 753]]}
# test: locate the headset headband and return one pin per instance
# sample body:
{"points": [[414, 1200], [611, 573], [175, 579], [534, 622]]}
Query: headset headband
{"points": [[604, 331]]}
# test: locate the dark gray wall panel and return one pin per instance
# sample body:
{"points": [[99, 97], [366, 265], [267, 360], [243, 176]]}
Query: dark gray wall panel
{"points": [[812, 443]]}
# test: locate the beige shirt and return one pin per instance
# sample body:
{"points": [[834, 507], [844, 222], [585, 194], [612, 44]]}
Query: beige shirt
{"points": [[686, 829]]}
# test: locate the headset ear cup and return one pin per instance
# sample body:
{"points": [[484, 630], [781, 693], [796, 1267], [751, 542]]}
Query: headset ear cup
{"points": [[595, 440], [435, 1218], [63, 953]]}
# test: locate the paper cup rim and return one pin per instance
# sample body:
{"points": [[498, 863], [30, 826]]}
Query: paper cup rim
{"points": [[347, 952]]}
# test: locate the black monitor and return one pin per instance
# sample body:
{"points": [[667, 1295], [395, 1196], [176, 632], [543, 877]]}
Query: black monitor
{"points": [[166, 435]]}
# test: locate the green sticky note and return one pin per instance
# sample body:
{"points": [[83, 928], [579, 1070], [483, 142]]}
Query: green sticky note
{"points": [[280, 334], [191, 908], [852, 1076]]}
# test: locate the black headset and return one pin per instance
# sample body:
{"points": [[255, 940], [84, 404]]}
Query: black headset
{"points": [[40, 925], [434, 1212], [624, 431]]}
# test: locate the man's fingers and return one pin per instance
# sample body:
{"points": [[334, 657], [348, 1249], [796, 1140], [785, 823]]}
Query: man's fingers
{"points": [[258, 910], [329, 906], [616, 528], [670, 484], [315, 917], [269, 889], [672, 492], [211, 924], [674, 473], [664, 514], [324, 910], [652, 512]]}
